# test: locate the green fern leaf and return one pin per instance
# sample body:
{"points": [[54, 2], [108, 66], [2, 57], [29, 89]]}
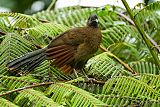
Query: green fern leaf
{"points": [[11, 82], [127, 86], [12, 46], [19, 20], [103, 67], [116, 100], [145, 67], [34, 98], [6, 103], [72, 96]]}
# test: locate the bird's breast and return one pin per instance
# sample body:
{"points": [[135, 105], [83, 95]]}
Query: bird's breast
{"points": [[93, 39]]}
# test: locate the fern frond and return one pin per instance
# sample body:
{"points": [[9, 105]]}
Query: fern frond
{"points": [[40, 33], [11, 82], [51, 15], [90, 87], [76, 16], [102, 66], [3, 25], [50, 29], [6, 103], [152, 7], [67, 16], [34, 98], [45, 69], [12, 46], [145, 67], [152, 80], [149, 16], [119, 33], [127, 86], [72, 96], [18, 20], [116, 100]]}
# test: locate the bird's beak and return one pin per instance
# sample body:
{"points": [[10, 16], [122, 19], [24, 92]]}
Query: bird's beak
{"points": [[96, 20]]}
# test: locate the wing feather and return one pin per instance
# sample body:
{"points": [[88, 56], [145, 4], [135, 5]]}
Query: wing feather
{"points": [[63, 56]]}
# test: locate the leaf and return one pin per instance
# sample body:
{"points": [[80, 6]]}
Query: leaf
{"points": [[6, 103], [145, 67], [152, 80], [11, 82], [117, 100], [12, 46], [40, 33], [72, 96], [19, 20], [103, 67], [128, 86], [34, 98]]}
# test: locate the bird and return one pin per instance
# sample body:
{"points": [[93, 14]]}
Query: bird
{"points": [[68, 52]]}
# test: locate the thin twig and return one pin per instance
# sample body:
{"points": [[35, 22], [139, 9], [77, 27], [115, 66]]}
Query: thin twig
{"points": [[94, 81], [153, 42], [119, 60], [52, 5], [126, 18], [26, 87], [90, 80]]}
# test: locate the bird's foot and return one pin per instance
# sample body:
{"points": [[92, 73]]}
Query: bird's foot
{"points": [[75, 73]]}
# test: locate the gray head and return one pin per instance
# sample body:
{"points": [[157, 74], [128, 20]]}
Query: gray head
{"points": [[93, 21]]}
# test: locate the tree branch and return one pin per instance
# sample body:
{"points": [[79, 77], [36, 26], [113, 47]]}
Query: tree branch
{"points": [[119, 60]]}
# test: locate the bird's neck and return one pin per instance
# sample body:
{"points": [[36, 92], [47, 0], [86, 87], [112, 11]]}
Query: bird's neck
{"points": [[92, 26]]}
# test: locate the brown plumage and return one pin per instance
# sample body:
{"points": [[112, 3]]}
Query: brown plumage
{"points": [[70, 50]]}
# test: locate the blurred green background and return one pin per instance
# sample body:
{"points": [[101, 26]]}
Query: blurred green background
{"points": [[33, 6], [24, 6]]}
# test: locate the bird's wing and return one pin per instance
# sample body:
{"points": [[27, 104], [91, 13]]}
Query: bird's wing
{"points": [[73, 36], [63, 56], [63, 48]]}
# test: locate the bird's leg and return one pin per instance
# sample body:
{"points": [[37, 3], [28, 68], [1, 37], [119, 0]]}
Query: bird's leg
{"points": [[86, 77], [83, 71], [75, 72]]}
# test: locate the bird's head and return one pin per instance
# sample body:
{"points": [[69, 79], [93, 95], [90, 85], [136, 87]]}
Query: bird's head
{"points": [[93, 21]]}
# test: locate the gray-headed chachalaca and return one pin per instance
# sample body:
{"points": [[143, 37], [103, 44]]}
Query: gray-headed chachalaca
{"points": [[69, 51]]}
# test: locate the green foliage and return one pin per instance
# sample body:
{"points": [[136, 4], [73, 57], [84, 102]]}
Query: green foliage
{"points": [[11, 82], [102, 66], [72, 96], [116, 100], [152, 80], [121, 86], [39, 34], [115, 85], [19, 20], [145, 67], [34, 98], [11, 47], [6, 103]]}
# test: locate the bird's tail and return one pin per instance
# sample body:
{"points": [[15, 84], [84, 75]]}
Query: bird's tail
{"points": [[28, 61]]}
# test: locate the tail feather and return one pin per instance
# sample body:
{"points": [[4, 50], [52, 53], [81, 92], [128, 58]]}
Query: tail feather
{"points": [[26, 60], [35, 63]]}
